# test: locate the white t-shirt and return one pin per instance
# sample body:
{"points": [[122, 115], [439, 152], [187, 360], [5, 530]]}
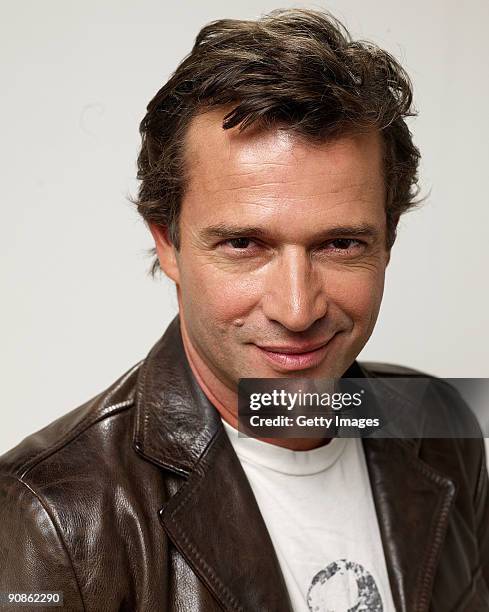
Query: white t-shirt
{"points": [[318, 509]]}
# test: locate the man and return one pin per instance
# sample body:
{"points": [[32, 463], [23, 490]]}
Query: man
{"points": [[275, 165]]}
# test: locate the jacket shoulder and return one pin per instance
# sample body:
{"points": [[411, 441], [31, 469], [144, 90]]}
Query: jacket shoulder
{"points": [[447, 411], [65, 430], [448, 394]]}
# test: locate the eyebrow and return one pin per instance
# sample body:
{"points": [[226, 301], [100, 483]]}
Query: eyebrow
{"points": [[224, 231]]}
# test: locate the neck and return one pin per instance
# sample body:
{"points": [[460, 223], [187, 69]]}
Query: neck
{"points": [[226, 401]]}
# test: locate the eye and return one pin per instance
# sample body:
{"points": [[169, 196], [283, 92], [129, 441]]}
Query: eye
{"points": [[240, 247], [239, 243], [344, 244]]}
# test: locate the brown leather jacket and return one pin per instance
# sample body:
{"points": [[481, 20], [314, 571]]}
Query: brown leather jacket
{"points": [[136, 501]]}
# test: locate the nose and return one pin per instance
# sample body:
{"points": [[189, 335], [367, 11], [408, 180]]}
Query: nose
{"points": [[295, 295]]}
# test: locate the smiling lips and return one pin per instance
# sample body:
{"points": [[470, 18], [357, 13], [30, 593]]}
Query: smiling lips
{"points": [[298, 357]]}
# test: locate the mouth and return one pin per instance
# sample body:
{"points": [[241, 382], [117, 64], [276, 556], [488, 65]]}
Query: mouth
{"points": [[295, 357]]}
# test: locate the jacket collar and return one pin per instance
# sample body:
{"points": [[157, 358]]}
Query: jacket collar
{"points": [[174, 419], [178, 429]]}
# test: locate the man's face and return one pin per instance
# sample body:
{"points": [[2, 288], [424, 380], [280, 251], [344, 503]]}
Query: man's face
{"points": [[282, 250]]}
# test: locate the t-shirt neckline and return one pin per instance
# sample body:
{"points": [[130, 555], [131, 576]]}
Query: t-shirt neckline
{"points": [[285, 460]]}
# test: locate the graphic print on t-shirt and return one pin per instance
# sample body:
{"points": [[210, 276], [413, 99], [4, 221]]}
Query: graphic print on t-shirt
{"points": [[344, 586]]}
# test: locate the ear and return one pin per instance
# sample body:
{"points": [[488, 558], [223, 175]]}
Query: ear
{"points": [[166, 251]]}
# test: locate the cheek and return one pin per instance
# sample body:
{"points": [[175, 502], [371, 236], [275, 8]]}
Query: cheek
{"points": [[359, 294], [206, 290]]}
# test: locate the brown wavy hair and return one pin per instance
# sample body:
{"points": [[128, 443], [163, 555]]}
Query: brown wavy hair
{"points": [[298, 69]]}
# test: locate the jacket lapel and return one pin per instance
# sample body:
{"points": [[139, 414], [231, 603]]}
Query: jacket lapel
{"points": [[413, 504], [412, 499], [215, 523], [213, 518]]}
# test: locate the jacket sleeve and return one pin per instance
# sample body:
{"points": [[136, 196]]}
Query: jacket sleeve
{"points": [[33, 557], [482, 516]]}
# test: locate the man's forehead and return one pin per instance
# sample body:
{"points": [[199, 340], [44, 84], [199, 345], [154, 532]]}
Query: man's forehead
{"points": [[214, 153], [205, 131]]}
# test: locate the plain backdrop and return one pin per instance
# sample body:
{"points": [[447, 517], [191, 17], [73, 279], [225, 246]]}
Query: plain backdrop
{"points": [[78, 308]]}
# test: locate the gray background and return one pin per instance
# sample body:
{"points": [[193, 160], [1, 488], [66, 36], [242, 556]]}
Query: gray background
{"points": [[78, 308]]}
